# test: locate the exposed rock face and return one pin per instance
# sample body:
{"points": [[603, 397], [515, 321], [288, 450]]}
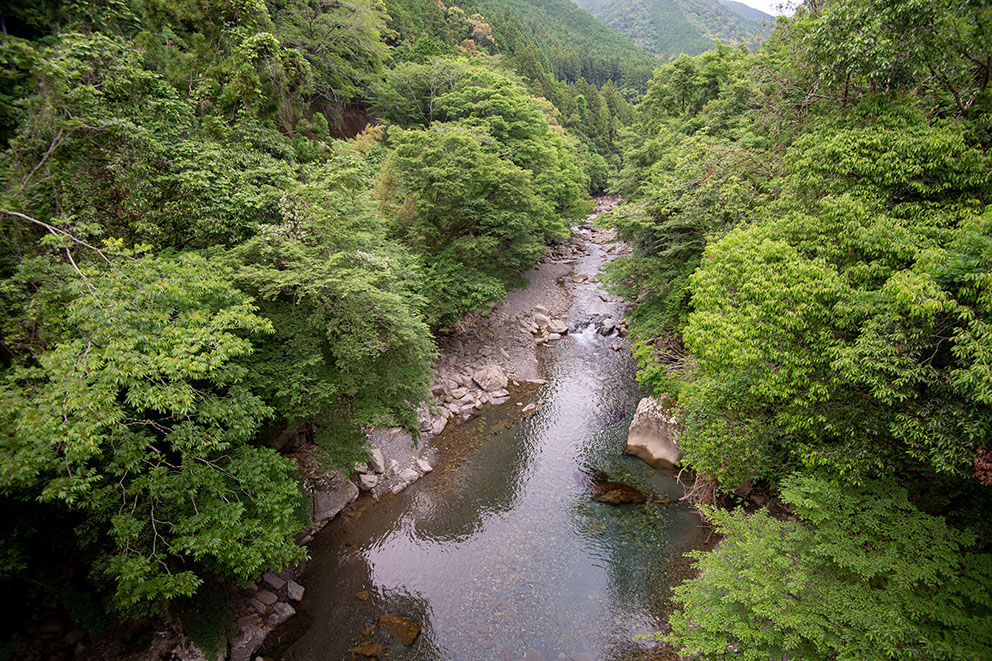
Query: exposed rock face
{"points": [[491, 378], [405, 630], [329, 493], [251, 633], [654, 432], [376, 460]]}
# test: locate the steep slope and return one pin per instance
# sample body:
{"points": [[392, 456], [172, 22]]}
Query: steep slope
{"points": [[562, 40], [671, 27], [574, 43]]}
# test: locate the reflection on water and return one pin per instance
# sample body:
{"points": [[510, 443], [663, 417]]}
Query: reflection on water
{"points": [[501, 550]]}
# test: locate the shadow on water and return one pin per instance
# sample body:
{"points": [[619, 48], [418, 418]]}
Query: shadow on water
{"points": [[501, 550]]}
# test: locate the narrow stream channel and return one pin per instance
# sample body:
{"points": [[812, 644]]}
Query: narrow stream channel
{"points": [[501, 553]]}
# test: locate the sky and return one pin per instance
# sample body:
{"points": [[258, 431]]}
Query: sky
{"points": [[769, 6]]}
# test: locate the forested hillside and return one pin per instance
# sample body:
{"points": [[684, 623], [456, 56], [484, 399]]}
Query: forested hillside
{"points": [[194, 269], [672, 27], [812, 237]]}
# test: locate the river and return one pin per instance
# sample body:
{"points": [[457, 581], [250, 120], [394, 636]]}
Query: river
{"points": [[501, 553]]}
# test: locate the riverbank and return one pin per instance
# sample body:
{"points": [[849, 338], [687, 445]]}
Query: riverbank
{"points": [[506, 539]]}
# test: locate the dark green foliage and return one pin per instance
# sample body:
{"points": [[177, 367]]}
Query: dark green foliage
{"points": [[350, 348], [569, 41], [143, 400], [475, 218], [484, 175], [862, 574]]}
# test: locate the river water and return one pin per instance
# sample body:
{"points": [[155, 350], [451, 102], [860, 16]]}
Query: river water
{"points": [[501, 553]]}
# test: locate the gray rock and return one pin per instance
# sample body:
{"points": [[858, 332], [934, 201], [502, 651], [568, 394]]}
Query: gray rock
{"points": [[501, 393], [376, 460], [294, 591], [273, 580], [266, 597], [424, 466], [367, 482], [408, 475], [468, 409], [530, 407], [458, 393], [608, 327], [541, 320], [362, 467], [251, 633], [281, 612], [558, 326], [496, 401], [329, 493], [439, 424], [259, 607], [491, 378], [654, 431], [553, 336], [393, 467], [540, 309]]}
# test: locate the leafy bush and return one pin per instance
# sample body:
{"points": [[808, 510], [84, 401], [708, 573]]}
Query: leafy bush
{"points": [[862, 574]]}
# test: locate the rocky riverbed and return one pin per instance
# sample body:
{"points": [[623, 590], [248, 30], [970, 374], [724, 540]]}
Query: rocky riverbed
{"points": [[486, 361]]}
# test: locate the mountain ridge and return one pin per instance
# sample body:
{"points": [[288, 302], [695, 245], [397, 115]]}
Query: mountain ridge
{"points": [[671, 27]]}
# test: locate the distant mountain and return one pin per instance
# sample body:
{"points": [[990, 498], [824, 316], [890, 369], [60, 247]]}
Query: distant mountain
{"points": [[671, 27], [572, 43]]}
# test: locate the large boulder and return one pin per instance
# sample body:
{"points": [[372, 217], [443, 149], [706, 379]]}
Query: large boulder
{"points": [[491, 378], [654, 432], [329, 493]]}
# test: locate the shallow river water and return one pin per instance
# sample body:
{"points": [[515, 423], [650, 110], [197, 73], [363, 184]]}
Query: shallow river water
{"points": [[501, 553]]}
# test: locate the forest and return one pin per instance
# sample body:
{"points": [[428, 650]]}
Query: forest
{"points": [[200, 256], [812, 243]]}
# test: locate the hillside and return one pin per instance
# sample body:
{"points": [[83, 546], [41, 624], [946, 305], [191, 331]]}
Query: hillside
{"points": [[671, 27], [568, 42]]}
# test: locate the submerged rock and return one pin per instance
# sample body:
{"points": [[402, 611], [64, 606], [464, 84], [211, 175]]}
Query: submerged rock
{"points": [[406, 631], [617, 493], [608, 491], [373, 650], [653, 434]]}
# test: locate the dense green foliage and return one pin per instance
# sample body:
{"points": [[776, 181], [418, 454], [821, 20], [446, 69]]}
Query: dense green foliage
{"points": [[812, 240], [673, 27], [194, 272], [862, 574]]}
